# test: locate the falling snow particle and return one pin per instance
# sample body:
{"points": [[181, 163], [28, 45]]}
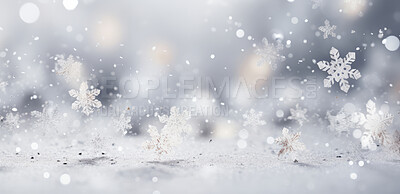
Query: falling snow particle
{"points": [[65, 179], [29, 13], [240, 33], [391, 43], [353, 176], [70, 4]]}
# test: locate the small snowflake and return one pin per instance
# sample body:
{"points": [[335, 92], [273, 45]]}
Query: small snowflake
{"points": [[316, 4], [339, 70], [12, 121], [289, 142], [170, 136], [161, 143], [3, 85], [85, 99], [48, 119], [342, 122], [253, 119], [121, 123], [375, 124], [70, 68], [298, 114], [270, 53], [328, 29], [177, 121]]}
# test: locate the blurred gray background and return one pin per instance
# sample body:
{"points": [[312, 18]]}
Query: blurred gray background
{"points": [[158, 38]]}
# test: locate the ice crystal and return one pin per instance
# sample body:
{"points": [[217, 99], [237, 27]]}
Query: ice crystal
{"points": [[121, 123], [298, 114], [98, 142], [12, 121], [252, 118], [339, 69], [69, 68], [375, 124], [342, 122], [48, 119], [161, 143], [85, 99], [328, 29], [316, 4], [177, 121], [270, 53], [171, 134], [3, 85], [289, 142]]}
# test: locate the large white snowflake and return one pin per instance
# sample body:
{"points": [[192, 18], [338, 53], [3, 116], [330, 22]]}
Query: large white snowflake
{"points": [[252, 118], [328, 29], [85, 99], [375, 124], [270, 53], [339, 69], [70, 68], [121, 123], [290, 142], [298, 114], [171, 134]]}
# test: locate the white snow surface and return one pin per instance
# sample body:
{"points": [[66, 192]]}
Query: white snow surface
{"points": [[198, 166]]}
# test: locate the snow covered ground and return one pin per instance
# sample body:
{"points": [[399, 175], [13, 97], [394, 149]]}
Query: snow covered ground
{"points": [[197, 167]]}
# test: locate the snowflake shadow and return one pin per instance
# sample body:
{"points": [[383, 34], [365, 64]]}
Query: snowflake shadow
{"points": [[305, 165], [170, 163], [146, 173], [93, 161]]}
